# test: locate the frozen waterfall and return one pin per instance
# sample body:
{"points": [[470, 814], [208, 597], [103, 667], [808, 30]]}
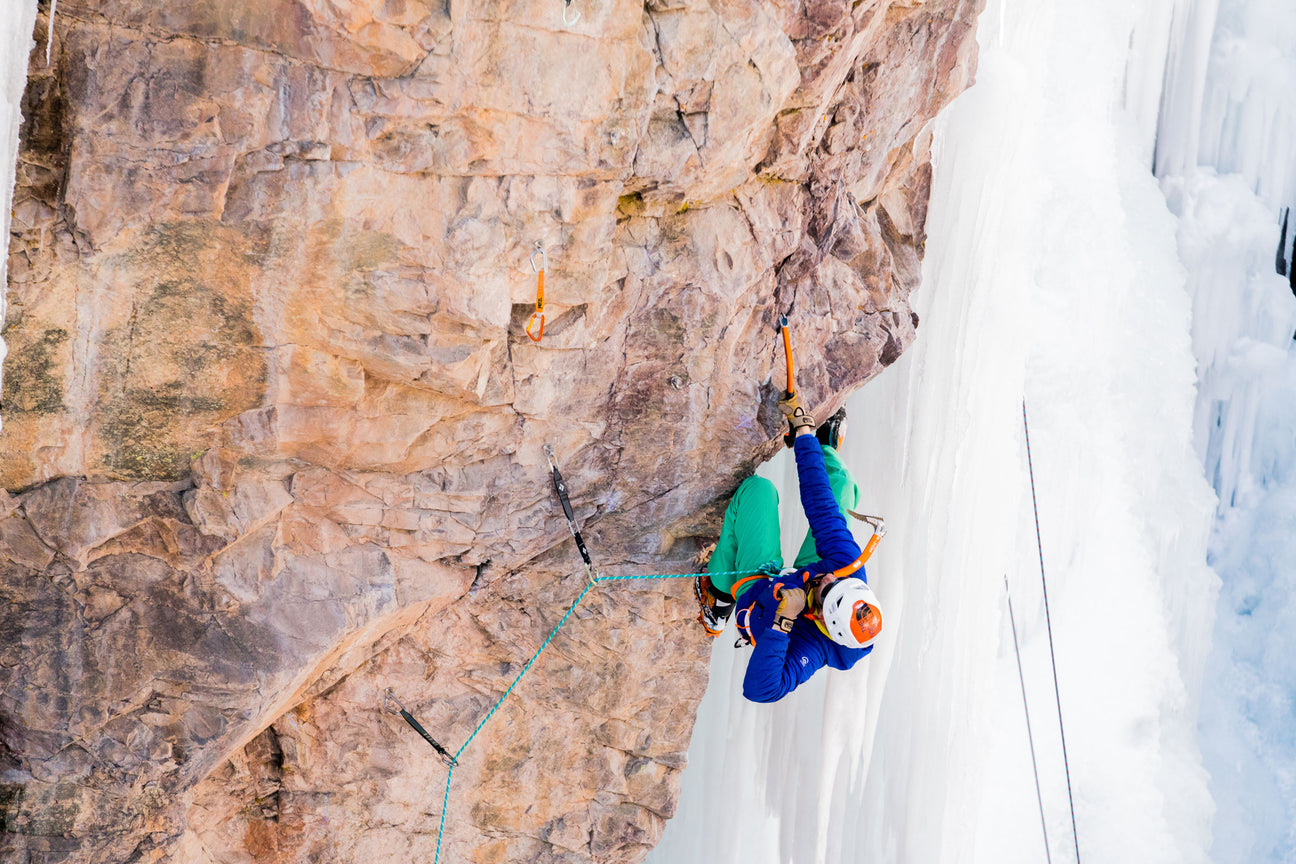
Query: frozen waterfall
{"points": [[1102, 231]]}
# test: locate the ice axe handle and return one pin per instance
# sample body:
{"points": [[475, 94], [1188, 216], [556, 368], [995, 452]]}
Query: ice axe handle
{"points": [[871, 546], [787, 354]]}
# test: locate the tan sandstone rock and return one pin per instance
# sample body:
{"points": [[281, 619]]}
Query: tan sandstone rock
{"points": [[273, 428]]}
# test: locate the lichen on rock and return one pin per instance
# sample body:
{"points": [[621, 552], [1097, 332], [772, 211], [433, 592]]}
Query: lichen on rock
{"points": [[273, 426]]}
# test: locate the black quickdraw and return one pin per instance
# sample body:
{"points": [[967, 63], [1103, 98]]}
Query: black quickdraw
{"points": [[561, 489], [389, 698]]}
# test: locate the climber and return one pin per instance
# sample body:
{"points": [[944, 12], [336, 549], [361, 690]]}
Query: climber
{"points": [[821, 611]]}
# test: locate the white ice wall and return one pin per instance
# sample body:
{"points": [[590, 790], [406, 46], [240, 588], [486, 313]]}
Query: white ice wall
{"points": [[1238, 168], [1051, 273], [17, 19]]}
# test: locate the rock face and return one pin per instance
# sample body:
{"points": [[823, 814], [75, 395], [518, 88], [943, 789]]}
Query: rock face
{"points": [[273, 426]]}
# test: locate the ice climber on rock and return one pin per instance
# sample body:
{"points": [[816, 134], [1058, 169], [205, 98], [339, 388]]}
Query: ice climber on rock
{"points": [[820, 612]]}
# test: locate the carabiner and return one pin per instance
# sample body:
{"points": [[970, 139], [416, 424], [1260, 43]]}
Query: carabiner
{"points": [[540, 274], [566, 6]]}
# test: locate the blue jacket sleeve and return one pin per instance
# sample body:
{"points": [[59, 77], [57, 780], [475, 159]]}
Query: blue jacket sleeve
{"points": [[832, 536], [781, 662]]}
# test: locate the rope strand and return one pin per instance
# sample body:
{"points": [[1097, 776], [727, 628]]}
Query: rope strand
{"points": [[445, 804], [1057, 692], [536, 655], [1030, 736]]}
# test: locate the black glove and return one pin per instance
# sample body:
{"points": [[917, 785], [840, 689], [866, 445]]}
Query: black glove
{"points": [[791, 602], [790, 407]]}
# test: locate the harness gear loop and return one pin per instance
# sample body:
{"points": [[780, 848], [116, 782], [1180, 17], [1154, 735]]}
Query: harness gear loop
{"points": [[389, 698], [540, 274], [560, 488], [566, 6]]}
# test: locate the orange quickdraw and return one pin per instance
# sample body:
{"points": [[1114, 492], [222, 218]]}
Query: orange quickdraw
{"points": [[539, 313]]}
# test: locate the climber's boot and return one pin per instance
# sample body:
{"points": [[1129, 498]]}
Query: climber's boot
{"points": [[716, 606]]}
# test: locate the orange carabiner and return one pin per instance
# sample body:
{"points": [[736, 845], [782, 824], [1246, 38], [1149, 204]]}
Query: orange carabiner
{"points": [[539, 313]]}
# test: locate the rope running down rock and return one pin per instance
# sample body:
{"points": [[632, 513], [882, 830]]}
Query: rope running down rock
{"points": [[454, 760]]}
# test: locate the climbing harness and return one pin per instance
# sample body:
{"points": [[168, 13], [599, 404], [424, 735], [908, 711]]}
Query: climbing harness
{"points": [[540, 274], [389, 699], [561, 489], [566, 8]]}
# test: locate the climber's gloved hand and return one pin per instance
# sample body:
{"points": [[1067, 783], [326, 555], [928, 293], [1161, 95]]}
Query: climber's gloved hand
{"points": [[797, 418], [791, 603]]}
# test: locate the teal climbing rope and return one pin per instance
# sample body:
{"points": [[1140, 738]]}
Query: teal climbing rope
{"points": [[534, 657], [445, 801]]}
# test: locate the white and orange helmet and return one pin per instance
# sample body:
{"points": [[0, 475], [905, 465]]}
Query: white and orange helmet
{"points": [[851, 614]]}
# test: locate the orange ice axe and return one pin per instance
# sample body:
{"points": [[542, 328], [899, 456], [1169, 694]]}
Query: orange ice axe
{"points": [[787, 353]]}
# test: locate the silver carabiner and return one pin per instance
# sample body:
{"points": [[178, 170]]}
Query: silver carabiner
{"points": [[566, 6], [390, 696], [544, 258]]}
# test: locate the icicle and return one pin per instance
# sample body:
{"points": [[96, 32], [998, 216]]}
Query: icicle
{"points": [[1281, 263], [1291, 268], [49, 33]]}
